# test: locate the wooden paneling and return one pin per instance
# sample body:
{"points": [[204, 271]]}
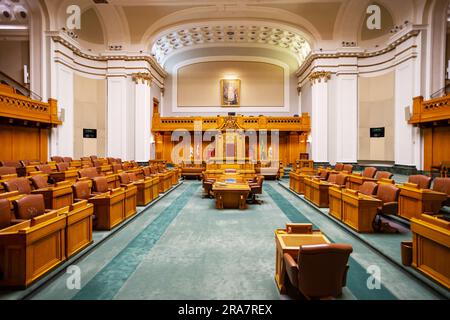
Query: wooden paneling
{"points": [[436, 146], [20, 143]]}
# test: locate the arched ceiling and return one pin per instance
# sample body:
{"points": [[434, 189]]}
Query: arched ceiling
{"points": [[230, 34]]}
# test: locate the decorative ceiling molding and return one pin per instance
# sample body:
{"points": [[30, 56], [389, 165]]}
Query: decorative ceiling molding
{"points": [[229, 35], [318, 76]]}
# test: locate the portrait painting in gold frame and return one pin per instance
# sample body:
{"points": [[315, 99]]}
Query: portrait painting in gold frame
{"points": [[230, 92]]}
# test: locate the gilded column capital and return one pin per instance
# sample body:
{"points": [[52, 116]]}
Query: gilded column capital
{"points": [[142, 78], [318, 76]]}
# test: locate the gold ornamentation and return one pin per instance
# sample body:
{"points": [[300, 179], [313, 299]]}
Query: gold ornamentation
{"points": [[143, 78], [319, 76]]}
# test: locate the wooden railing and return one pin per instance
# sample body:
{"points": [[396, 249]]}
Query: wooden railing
{"points": [[431, 110], [297, 124], [16, 106]]}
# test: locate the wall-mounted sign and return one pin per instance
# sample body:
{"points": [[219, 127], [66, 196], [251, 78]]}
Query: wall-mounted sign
{"points": [[377, 132], [90, 133]]}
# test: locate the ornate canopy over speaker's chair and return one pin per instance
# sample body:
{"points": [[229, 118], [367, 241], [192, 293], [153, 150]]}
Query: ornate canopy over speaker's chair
{"points": [[422, 181], [320, 271]]}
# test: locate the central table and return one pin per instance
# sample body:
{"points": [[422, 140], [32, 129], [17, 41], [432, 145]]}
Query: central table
{"points": [[231, 195]]}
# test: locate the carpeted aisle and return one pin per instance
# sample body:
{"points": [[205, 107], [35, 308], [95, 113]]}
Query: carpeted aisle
{"points": [[183, 248]]}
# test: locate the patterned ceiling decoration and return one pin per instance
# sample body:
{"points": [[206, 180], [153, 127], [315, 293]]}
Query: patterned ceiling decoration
{"points": [[228, 35]]}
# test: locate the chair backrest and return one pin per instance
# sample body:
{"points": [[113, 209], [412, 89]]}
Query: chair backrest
{"points": [[388, 192], [322, 269], [88, 173], [111, 160], [39, 182], [18, 184], [422, 181], [96, 163], [146, 171], [332, 178], [10, 163], [81, 190], [368, 188], [348, 168], [93, 158], [442, 185], [116, 167], [100, 184], [5, 213], [132, 177], [62, 166], [341, 179], [45, 168], [57, 159], [324, 174], [67, 159], [124, 178], [383, 175], [7, 170], [369, 172], [339, 167], [29, 206]]}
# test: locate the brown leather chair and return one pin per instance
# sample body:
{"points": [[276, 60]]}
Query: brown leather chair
{"points": [[320, 270], [348, 168], [368, 188], [124, 178], [332, 178], [422, 181], [30, 206], [442, 185], [57, 159], [5, 214], [116, 167], [388, 194], [40, 182], [369, 172], [93, 158], [11, 163], [22, 185], [62, 166], [45, 168], [88, 173], [81, 190], [67, 159], [341, 180], [100, 185], [384, 175], [323, 175], [339, 167], [7, 170], [96, 163], [256, 188]]}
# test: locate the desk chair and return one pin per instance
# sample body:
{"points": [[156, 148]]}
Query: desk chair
{"points": [[388, 194], [256, 188], [320, 271]]}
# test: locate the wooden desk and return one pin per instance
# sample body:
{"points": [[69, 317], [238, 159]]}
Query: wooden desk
{"points": [[335, 201], [290, 243], [413, 202], [316, 191], [78, 227], [231, 196], [431, 247], [109, 209], [57, 197], [294, 181], [358, 210]]}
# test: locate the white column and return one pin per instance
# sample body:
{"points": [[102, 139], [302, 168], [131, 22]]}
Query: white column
{"points": [[117, 117], [62, 141], [319, 116], [143, 117], [299, 91], [346, 121]]}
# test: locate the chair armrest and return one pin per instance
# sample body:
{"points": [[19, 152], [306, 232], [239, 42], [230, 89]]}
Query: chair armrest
{"points": [[17, 221], [390, 208], [291, 269]]}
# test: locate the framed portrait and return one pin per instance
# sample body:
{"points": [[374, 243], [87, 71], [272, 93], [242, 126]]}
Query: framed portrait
{"points": [[230, 92]]}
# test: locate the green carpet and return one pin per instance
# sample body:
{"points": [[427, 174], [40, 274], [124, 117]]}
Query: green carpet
{"points": [[110, 279], [357, 277]]}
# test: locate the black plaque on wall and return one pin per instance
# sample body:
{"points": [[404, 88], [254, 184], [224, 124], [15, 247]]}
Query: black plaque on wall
{"points": [[377, 132], [90, 133]]}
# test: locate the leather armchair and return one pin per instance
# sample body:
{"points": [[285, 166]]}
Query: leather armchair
{"points": [[62, 166], [369, 172], [348, 168], [6, 218], [45, 168], [88, 173], [116, 167], [40, 182], [443, 185], [100, 185], [422, 181], [81, 191], [323, 175], [339, 167], [384, 175], [368, 188], [256, 188], [57, 159], [67, 159], [320, 271], [340, 180], [22, 185], [93, 158], [388, 194], [29, 206], [7, 171]]}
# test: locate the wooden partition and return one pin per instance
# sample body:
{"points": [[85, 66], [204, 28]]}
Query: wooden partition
{"points": [[20, 142]]}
